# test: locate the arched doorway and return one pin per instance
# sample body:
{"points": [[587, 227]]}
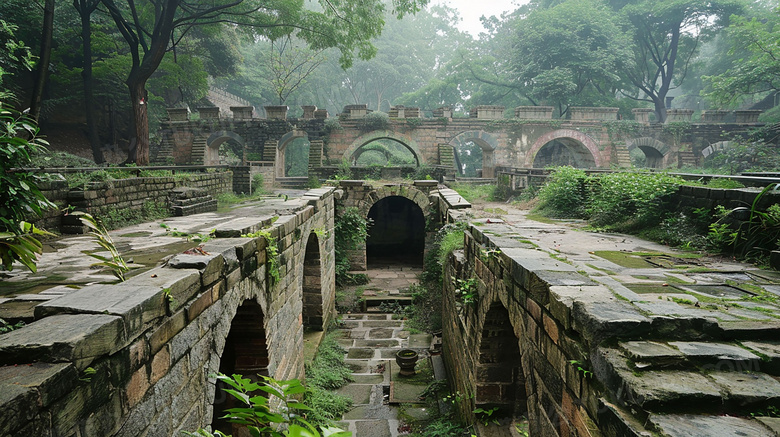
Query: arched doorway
{"points": [[564, 151], [389, 144], [468, 159], [245, 353], [313, 313], [647, 153], [397, 234], [473, 153], [500, 379], [296, 158], [223, 148], [384, 152]]}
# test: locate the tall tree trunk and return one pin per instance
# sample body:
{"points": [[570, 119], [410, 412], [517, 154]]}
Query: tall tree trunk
{"points": [[138, 97], [44, 59], [85, 11]]}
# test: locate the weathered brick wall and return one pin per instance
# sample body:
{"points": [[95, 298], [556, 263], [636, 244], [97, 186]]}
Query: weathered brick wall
{"points": [[153, 340], [708, 198], [555, 397], [100, 198]]}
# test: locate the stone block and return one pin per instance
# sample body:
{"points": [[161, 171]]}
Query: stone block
{"points": [[705, 425], [743, 389], [211, 267], [77, 338], [167, 330]]}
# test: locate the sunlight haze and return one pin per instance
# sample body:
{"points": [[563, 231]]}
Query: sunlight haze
{"points": [[471, 10]]}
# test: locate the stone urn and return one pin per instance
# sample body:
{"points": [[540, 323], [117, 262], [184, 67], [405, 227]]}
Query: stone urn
{"points": [[406, 360]]}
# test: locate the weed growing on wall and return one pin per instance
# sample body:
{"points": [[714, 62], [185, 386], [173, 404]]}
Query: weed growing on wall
{"points": [[350, 230], [114, 260], [271, 255]]}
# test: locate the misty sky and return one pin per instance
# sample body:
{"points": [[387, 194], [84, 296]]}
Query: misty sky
{"points": [[471, 10]]}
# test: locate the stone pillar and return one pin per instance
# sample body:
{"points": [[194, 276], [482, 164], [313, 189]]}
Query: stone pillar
{"points": [[178, 114], [642, 115], [588, 113], [208, 112], [443, 112], [276, 112], [242, 112], [713, 116], [321, 114], [308, 111], [673, 115], [748, 115], [534, 112]]}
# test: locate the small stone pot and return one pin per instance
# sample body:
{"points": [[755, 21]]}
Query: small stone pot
{"points": [[406, 360]]}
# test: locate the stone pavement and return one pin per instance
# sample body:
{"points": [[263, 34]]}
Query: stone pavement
{"points": [[371, 341]]}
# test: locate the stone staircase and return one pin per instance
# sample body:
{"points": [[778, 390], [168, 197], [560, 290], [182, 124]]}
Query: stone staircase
{"points": [[188, 201], [315, 153], [623, 157], [446, 155], [292, 182], [198, 155], [671, 383]]}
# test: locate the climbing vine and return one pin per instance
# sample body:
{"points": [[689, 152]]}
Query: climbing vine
{"points": [[350, 230], [271, 255]]}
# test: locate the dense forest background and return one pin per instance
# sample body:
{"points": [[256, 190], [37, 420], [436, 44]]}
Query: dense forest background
{"points": [[80, 62]]}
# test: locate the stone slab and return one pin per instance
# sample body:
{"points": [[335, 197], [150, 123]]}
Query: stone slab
{"points": [[372, 428], [674, 425], [746, 388], [360, 353], [650, 350], [717, 351], [359, 393], [78, 338], [389, 342], [420, 341]]}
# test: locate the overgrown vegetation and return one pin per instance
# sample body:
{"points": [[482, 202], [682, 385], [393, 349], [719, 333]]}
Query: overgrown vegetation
{"points": [[475, 193], [327, 372], [270, 408], [639, 203], [350, 230], [20, 198]]}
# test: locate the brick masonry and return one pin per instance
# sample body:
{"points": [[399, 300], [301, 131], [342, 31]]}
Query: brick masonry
{"points": [[153, 340]]}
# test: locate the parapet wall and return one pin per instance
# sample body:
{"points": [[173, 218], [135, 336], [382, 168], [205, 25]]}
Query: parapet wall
{"points": [[134, 359]]}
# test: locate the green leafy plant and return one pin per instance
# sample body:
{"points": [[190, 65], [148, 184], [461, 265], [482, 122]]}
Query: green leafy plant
{"points": [[564, 194], [86, 374], [486, 416], [20, 198], [114, 261], [350, 230], [376, 120], [263, 414], [271, 254], [8, 327], [467, 290], [580, 366]]}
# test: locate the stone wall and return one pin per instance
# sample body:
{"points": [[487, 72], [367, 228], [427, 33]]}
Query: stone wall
{"points": [[134, 359], [578, 356], [101, 198]]}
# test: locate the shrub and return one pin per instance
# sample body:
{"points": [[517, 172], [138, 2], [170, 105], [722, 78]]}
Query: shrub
{"points": [[564, 194], [350, 230], [625, 200], [376, 120], [258, 183]]}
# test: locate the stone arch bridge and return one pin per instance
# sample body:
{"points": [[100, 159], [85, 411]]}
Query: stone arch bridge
{"points": [[590, 138], [577, 356]]}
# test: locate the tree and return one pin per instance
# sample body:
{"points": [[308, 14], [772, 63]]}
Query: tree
{"points": [[44, 59], [152, 27], [757, 70], [291, 63], [666, 36], [85, 9], [568, 54]]}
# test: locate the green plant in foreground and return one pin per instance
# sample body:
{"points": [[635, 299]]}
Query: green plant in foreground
{"points": [[262, 416], [8, 327], [114, 261], [486, 416], [467, 290]]}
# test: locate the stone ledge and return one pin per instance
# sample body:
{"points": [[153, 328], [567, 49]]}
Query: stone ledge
{"points": [[78, 338]]}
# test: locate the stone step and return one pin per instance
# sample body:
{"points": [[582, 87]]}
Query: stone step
{"points": [[651, 355], [207, 206], [293, 182], [696, 389]]}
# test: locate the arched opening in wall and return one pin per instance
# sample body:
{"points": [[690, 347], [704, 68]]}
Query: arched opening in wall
{"points": [[384, 152], [397, 235], [313, 314], [468, 159], [564, 151], [646, 157], [230, 152], [296, 157], [500, 379], [245, 353]]}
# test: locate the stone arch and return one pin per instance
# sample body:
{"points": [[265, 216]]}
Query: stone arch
{"points": [[282, 144], [716, 147], [406, 191], [211, 152], [500, 380], [313, 312], [654, 150], [585, 147], [403, 139], [245, 352], [487, 142]]}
